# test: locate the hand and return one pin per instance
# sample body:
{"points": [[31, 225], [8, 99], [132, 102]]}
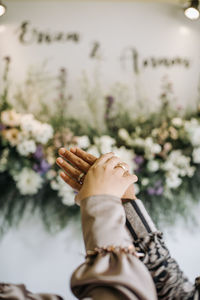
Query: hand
{"points": [[74, 165], [81, 162], [105, 176]]}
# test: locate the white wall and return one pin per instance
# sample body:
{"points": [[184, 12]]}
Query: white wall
{"points": [[28, 254], [45, 263], [153, 29]]}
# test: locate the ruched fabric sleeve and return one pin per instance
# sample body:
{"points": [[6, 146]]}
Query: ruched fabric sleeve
{"points": [[109, 272], [19, 292], [170, 281]]}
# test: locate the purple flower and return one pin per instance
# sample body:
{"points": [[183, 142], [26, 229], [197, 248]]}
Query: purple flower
{"points": [[151, 191], [7, 59], [139, 160], [2, 127], [159, 191], [38, 153], [109, 100], [158, 184], [63, 70], [42, 167], [106, 116], [138, 170]]}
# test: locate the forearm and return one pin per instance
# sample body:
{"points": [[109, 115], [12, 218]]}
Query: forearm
{"points": [[110, 263], [169, 280]]}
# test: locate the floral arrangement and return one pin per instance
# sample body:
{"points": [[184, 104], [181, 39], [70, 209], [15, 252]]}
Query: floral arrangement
{"points": [[162, 148]]}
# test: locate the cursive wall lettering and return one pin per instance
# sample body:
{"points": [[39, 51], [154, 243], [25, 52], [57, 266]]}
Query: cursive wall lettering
{"points": [[28, 35], [138, 63]]}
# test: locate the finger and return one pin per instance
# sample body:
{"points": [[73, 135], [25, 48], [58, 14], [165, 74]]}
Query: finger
{"points": [[123, 166], [87, 157], [131, 178], [119, 171], [75, 185], [112, 162], [69, 169], [74, 159], [102, 159]]}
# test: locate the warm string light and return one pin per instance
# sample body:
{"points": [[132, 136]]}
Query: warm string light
{"points": [[192, 11], [2, 9]]}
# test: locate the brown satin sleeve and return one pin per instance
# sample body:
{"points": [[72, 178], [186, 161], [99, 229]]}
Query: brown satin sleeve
{"points": [[115, 274], [19, 292]]}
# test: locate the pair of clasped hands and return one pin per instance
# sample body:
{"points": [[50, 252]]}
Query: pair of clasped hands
{"points": [[90, 176]]}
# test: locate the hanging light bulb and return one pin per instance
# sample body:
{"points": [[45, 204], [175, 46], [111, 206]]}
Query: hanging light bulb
{"points": [[192, 12], [2, 9]]}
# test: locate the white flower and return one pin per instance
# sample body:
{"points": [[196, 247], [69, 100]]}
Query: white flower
{"points": [[151, 148], [26, 147], [153, 165], [83, 141], [156, 148], [148, 142], [173, 181], [126, 156], [136, 188], [169, 166], [28, 182], [94, 151], [104, 143], [28, 123], [178, 163], [191, 171], [123, 134], [154, 132], [195, 137], [54, 185], [192, 128], [64, 191], [51, 174], [192, 123], [43, 133], [67, 195], [177, 122], [139, 142], [145, 181], [10, 118], [196, 155]]}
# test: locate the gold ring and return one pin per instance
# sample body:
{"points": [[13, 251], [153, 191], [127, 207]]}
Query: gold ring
{"points": [[121, 166], [80, 178]]}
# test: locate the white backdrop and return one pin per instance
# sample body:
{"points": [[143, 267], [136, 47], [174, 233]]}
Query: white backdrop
{"points": [[155, 31], [158, 31], [45, 263]]}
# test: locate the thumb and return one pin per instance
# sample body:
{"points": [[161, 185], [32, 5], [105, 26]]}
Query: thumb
{"points": [[129, 179]]}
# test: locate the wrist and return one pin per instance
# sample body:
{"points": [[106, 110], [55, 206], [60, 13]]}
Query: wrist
{"points": [[103, 196]]}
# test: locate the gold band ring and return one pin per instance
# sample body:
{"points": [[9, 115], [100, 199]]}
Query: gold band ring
{"points": [[80, 178], [120, 165]]}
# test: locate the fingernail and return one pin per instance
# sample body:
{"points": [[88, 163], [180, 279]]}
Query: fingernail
{"points": [[73, 149], [62, 151], [60, 160]]}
